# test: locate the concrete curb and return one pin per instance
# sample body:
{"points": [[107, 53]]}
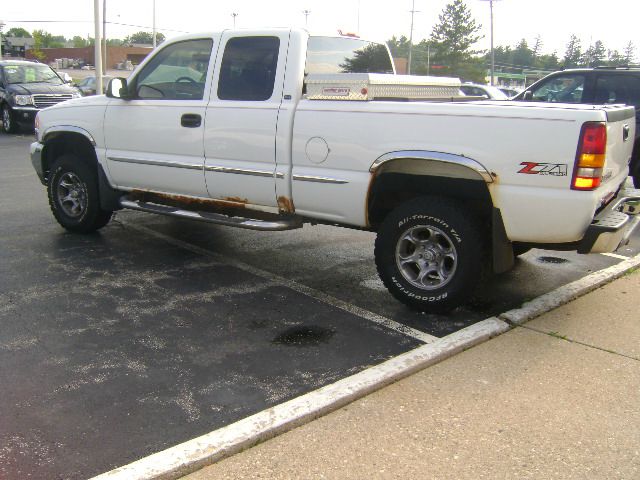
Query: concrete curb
{"points": [[194, 454], [569, 292]]}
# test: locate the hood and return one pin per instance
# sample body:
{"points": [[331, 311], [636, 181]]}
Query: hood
{"points": [[39, 88]]}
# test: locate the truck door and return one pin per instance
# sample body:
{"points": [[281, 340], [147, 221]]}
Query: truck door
{"points": [[154, 139], [242, 115]]}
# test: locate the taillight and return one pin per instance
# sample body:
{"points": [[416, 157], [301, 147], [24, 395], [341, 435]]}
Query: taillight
{"points": [[592, 147]]}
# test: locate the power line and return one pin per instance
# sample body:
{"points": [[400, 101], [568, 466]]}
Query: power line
{"points": [[146, 27]]}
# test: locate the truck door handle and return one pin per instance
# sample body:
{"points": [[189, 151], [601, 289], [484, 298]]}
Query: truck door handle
{"points": [[626, 130], [191, 120]]}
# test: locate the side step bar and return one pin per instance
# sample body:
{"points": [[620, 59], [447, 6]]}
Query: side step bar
{"points": [[241, 222]]}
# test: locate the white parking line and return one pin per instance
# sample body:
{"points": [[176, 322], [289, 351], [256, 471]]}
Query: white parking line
{"points": [[298, 287], [615, 255], [224, 442]]}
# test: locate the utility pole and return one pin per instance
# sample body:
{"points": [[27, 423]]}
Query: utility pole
{"points": [[97, 46], [306, 14], [234, 15], [104, 35], [154, 24], [413, 12], [493, 59]]}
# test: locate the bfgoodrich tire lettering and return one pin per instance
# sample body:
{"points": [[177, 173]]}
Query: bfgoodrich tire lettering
{"points": [[73, 195], [430, 254]]}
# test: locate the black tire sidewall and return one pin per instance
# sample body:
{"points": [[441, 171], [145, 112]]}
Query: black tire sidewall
{"points": [[87, 174], [463, 233]]}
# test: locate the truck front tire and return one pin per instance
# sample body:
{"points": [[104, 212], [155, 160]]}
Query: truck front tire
{"points": [[430, 254], [73, 195]]}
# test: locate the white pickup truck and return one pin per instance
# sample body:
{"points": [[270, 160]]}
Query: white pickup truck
{"points": [[271, 129]]}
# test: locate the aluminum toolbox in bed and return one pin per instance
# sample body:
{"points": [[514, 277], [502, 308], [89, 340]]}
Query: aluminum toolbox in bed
{"points": [[375, 86]]}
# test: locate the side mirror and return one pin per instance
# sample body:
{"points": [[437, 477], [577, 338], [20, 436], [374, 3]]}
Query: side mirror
{"points": [[117, 88], [527, 96], [67, 78]]}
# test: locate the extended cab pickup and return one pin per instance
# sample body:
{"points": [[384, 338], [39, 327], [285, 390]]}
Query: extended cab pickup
{"points": [[272, 129]]}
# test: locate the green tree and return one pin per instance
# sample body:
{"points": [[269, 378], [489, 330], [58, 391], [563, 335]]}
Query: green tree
{"points": [[399, 47], [537, 48], [615, 58], [522, 55], [40, 41], [629, 53], [57, 42], [18, 32], [573, 53], [452, 42], [596, 55], [144, 38], [371, 59], [79, 41], [548, 62]]}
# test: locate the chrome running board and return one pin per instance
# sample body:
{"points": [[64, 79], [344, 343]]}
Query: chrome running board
{"points": [[287, 223]]}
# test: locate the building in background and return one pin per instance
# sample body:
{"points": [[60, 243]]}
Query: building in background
{"points": [[116, 56]]}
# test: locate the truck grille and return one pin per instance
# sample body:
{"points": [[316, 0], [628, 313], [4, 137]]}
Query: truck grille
{"points": [[44, 101]]}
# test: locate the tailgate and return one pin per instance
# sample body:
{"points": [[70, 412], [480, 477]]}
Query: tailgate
{"points": [[621, 125]]}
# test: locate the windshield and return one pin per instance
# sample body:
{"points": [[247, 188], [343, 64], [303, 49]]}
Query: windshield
{"points": [[35, 73], [346, 55]]}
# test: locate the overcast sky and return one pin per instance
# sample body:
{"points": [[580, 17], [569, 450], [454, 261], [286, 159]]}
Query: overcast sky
{"points": [[612, 21]]}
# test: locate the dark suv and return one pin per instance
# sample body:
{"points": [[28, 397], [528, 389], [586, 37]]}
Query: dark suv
{"points": [[594, 86], [25, 88]]}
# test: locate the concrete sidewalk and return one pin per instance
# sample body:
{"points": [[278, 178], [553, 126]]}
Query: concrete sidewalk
{"points": [[556, 398]]}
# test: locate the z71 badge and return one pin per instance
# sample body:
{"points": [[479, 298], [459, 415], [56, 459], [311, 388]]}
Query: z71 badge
{"points": [[535, 168]]}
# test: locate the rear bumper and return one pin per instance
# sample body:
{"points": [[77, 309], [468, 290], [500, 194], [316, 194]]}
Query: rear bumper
{"points": [[613, 226]]}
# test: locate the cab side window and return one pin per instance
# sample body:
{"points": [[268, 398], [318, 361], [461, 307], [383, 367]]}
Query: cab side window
{"points": [[618, 89], [561, 88], [248, 68], [178, 72]]}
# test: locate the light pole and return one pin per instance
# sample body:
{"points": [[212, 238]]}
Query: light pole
{"points": [[413, 12], [493, 60], [306, 14], [2, 24], [234, 15], [154, 25], [97, 46]]}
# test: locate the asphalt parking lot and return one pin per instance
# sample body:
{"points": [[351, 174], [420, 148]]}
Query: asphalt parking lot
{"points": [[155, 330]]}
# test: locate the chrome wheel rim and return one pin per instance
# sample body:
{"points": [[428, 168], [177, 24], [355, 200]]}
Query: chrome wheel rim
{"points": [[72, 195], [6, 119], [426, 257]]}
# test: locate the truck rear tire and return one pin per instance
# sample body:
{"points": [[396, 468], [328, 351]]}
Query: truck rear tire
{"points": [[430, 254], [73, 195]]}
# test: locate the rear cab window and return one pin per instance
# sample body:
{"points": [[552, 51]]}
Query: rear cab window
{"points": [[346, 55]]}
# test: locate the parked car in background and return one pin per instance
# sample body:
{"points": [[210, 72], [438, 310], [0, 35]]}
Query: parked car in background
{"points": [[88, 85], [596, 86], [509, 91], [26, 88], [485, 91]]}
